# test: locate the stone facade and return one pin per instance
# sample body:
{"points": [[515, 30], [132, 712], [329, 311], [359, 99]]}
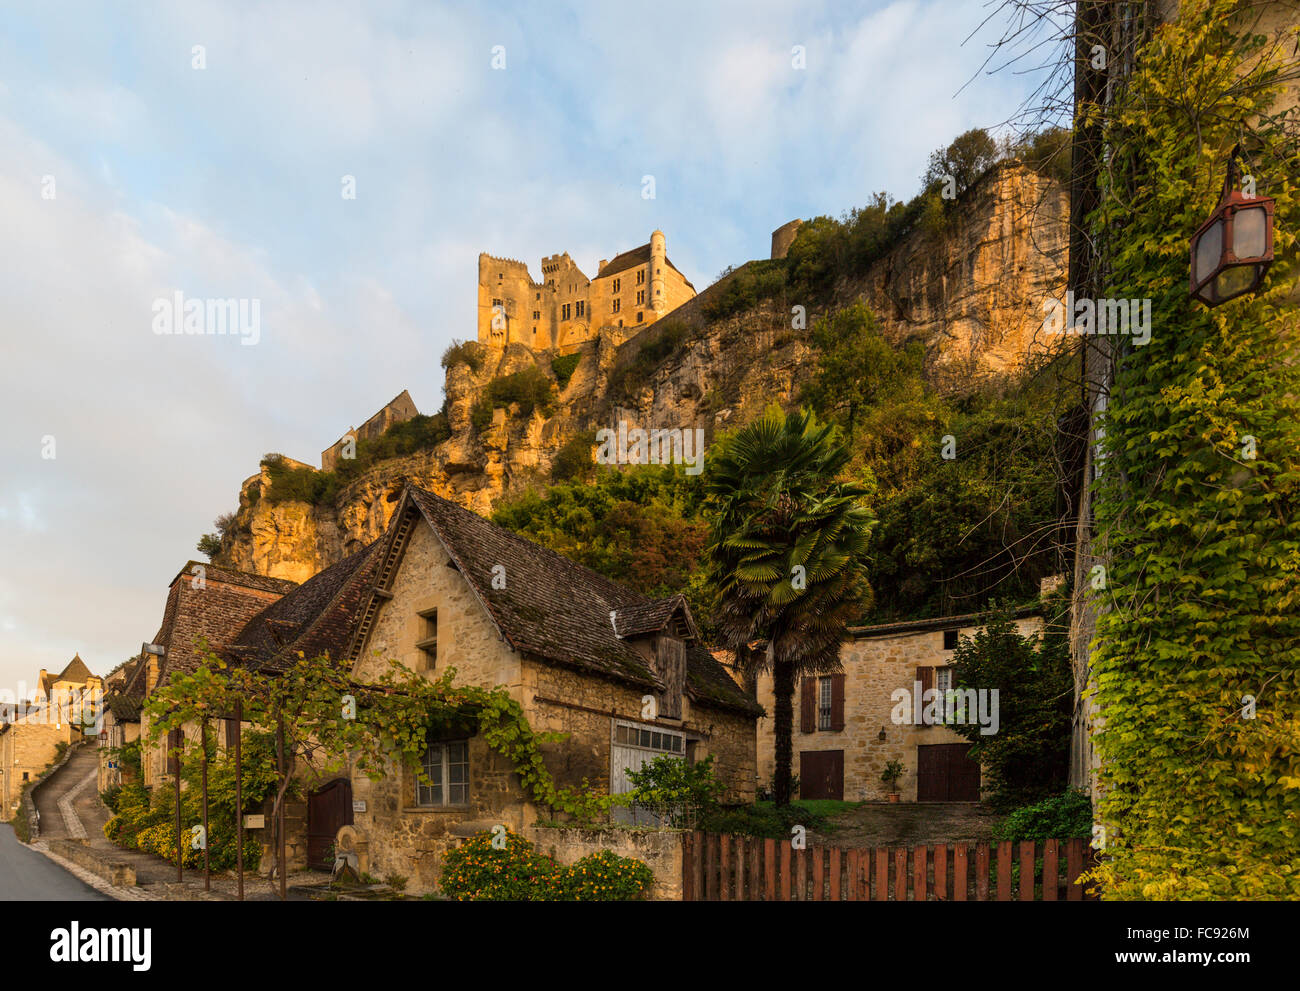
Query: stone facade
{"points": [[567, 308], [876, 662], [400, 409], [30, 732], [404, 838], [658, 849]]}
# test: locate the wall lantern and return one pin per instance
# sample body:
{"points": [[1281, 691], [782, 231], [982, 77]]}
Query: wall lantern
{"points": [[1234, 248]]}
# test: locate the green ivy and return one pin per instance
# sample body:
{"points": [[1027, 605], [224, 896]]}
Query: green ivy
{"points": [[1200, 603]]}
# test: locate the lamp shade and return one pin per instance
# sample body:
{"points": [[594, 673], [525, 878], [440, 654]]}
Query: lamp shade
{"points": [[1233, 249]]}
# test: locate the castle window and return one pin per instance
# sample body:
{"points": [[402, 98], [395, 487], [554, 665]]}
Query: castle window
{"points": [[537, 314], [640, 277], [539, 295], [620, 323], [564, 311], [659, 292], [640, 316], [618, 305], [501, 275], [618, 283], [640, 297], [581, 306]]}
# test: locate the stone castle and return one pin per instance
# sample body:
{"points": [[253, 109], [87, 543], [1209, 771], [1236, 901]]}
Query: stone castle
{"points": [[567, 308]]}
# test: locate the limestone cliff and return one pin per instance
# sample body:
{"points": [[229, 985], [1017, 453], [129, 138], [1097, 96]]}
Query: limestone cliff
{"points": [[972, 293]]}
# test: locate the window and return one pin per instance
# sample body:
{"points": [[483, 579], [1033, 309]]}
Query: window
{"points": [[496, 303], [620, 323], [823, 703], [580, 307], [640, 297], [25, 778], [618, 284], [446, 765], [537, 314], [618, 305], [564, 311], [666, 742], [949, 639], [640, 277], [943, 679], [428, 641], [640, 316], [539, 295]]}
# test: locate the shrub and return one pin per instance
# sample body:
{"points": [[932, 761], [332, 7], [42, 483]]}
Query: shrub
{"points": [[529, 388], [477, 871], [573, 461], [564, 366], [465, 353], [746, 287], [1062, 816], [604, 876], [209, 545], [675, 791]]}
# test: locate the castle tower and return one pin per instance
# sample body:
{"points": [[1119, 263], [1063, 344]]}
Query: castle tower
{"points": [[658, 258]]}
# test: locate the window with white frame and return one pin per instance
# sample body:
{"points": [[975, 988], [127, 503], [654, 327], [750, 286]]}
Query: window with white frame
{"points": [[446, 766], [825, 693]]}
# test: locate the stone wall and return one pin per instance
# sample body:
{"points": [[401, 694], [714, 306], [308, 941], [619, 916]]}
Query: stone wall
{"points": [[658, 849], [874, 666]]}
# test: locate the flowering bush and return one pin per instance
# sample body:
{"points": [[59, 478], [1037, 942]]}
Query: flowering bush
{"points": [[604, 876], [477, 871]]}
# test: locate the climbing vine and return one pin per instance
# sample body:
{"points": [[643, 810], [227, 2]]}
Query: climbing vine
{"points": [[1196, 662]]}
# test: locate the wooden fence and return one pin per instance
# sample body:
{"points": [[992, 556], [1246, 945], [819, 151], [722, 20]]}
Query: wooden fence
{"points": [[718, 867]]}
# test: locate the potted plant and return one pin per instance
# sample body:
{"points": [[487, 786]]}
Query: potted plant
{"points": [[892, 772]]}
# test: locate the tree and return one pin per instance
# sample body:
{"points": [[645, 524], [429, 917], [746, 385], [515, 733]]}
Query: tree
{"points": [[788, 544], [1028, 758], [965, 160]]}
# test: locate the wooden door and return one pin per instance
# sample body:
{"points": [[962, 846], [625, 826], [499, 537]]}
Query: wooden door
{"points": [[821, 774], [328, 810], [946, 773]]}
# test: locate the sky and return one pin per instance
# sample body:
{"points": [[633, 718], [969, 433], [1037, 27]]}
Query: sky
{"points": [[203, 149]]}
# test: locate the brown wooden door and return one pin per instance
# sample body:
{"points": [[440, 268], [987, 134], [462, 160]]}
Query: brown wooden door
{"points": [[328, 810], [945, 773], [821, 774]]}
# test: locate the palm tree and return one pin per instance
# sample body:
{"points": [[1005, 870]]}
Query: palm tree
{"points": [[786, 556]]}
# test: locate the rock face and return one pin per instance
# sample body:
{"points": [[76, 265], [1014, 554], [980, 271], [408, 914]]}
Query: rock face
{"points": [[972, 293]]}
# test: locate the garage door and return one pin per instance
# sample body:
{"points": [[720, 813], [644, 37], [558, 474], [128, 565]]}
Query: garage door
{"points": [[944, 773], [821, 774], [635, 745]]}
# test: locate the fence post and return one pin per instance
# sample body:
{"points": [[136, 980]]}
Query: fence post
{"points": [[941, 872], [1050, 871], [724, 864], [900, 874], [835, 874], [981, 872], [920, 862], [819, 871], [1027, 864], [959, 872], [688, 867], [1073, 868], [882, 873], [769, 870], [1004, 871], [785, 870]]}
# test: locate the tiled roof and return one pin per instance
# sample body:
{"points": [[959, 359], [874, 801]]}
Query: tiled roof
{"points": [[652, 616], [123, 707], [633, 258], [216, 573], [317, 617], [558, 610], [215, 610]]}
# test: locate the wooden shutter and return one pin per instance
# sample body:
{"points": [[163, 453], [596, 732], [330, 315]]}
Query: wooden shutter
{"points": [[808, 706], [837, 702], [925, 676]]}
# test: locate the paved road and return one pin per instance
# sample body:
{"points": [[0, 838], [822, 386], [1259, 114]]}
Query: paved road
{"points": [[27, 876]]}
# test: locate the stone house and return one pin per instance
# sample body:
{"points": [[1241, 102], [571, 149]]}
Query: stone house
{"points": [[32, 727], [626, 678], [121, 723], [204, 603], [399, 409], [848, 726]]}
